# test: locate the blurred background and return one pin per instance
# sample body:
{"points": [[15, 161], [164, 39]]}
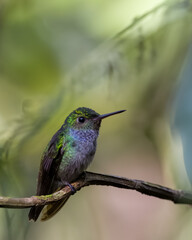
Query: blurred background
{"points": [[107, 55]]}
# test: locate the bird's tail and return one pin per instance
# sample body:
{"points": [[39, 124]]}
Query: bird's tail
{"points": [[51, 209], [48, 210]]}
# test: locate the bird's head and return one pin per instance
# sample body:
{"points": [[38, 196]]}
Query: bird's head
{"points": [[86, 118]]}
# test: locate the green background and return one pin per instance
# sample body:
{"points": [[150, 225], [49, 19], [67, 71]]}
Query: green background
{"points": [[58, 55]]}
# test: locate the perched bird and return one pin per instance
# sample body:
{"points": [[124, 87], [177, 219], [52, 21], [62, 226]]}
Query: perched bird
{"points": [[67, 155]]}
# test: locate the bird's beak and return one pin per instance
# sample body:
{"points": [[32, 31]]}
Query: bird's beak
{"points": [[100, 117]]}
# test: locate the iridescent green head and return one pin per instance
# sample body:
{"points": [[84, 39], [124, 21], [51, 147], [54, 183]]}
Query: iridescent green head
{"points": [[86, 118]]}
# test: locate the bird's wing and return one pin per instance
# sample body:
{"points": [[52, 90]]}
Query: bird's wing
{"points": [[50, 163], [48, 169]]}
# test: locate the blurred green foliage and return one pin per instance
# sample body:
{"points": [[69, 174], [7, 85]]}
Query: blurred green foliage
{"points": [[54, 57]]}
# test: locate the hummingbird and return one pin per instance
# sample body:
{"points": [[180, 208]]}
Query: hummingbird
{"points": [[67, 156]]}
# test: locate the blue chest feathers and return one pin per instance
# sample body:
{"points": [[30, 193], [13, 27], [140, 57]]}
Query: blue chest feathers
{"points": [[79, 152]]}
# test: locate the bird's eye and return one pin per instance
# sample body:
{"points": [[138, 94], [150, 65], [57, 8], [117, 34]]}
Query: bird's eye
{"points": [[81, 119]]}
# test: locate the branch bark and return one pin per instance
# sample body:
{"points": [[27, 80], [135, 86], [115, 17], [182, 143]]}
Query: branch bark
{"points": [[89, 178]]}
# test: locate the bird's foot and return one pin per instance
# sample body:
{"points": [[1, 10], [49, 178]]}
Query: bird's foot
{"points": [[73, 190]]}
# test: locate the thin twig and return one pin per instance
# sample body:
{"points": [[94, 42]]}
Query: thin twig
{"points": [[89, 178]]}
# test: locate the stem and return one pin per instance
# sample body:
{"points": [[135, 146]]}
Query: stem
{"points": [[90, 178]]}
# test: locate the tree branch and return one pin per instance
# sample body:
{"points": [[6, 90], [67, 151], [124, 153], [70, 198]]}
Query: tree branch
{"points": [[89, 178]]}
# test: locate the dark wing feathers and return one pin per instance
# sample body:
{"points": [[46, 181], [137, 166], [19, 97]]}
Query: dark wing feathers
{"points": [[48, 169], [50, 163]]}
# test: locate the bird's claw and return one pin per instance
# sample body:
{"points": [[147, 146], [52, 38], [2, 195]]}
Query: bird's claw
{"points": [[73, 190]]}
